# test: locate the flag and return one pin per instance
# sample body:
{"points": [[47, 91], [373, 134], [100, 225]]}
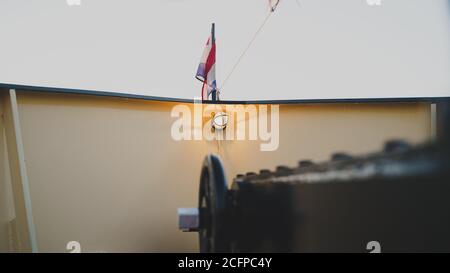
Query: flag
{"points": [[206, 71]]}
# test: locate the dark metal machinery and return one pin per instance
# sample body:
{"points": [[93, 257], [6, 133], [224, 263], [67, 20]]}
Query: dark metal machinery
{"points": [[398, 197]]}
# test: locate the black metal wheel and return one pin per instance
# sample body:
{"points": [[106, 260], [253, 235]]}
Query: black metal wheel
{"points": [[212, 207]]}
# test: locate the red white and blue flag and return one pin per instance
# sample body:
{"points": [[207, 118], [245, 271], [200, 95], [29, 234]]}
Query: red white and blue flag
{"points": [[206, 71]]}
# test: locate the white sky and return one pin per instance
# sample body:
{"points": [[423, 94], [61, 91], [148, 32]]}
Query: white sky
{"points": [[322, 49]]}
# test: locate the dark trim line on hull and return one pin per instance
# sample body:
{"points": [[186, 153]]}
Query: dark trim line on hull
{"points": [[167, 99]]}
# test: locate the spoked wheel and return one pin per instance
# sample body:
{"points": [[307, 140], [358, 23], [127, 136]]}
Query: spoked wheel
{"points": [[212, 207]]}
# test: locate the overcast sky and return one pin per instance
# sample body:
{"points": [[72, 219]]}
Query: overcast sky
{"points": [[322, 49]]}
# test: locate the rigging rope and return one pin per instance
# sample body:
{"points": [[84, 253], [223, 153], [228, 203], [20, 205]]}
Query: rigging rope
{"points": [[246, 49]]}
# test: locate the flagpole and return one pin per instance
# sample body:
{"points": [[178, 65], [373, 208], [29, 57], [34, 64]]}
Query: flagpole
{"points": [[214, 94], [215, 97], [213, 36]]}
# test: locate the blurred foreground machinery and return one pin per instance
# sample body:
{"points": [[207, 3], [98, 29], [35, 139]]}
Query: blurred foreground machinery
{"points": [[397, 200]]}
